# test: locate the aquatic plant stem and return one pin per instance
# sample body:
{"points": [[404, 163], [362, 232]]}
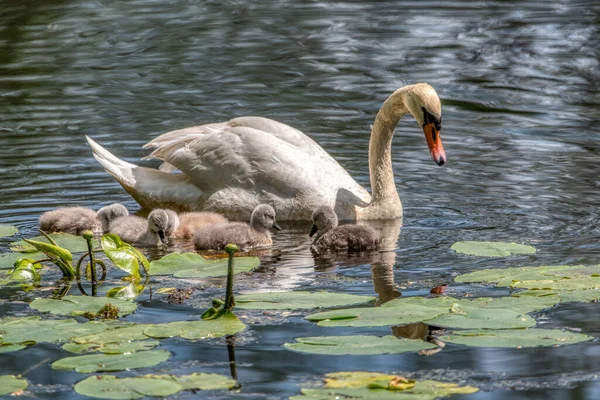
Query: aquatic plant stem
{"points": [[229, 300], [88, 236]]}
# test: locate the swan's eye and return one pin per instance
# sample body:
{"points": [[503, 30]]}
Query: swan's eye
{"points": [[429, 118]]}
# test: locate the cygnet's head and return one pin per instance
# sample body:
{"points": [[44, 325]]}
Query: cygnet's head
{"points": [[158, 222], [324, 219], [263, 218], [110, 213], [173, 222]]}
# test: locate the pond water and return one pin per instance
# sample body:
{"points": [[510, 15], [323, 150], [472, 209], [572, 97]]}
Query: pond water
{"points": [[520, 87]]}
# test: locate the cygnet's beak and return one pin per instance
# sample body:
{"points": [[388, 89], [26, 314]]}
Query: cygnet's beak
{"points": [[163, 238], [276, 226], [313, 230], [434, 141]]}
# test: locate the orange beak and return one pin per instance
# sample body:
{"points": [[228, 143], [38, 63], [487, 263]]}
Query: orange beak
{"points": [[434, 141]]}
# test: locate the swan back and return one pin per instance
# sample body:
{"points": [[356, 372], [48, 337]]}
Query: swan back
{"points": [[344, 237], [72, 220], [255, 235], [109, 213]]}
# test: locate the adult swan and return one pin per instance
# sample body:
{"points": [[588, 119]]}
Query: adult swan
{"points": [[231, 167]]}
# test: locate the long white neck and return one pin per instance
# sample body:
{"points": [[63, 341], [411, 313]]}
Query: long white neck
{"points": [[385, 202]]}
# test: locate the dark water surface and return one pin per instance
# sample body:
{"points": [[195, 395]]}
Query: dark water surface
{"points": [[520, 87]]}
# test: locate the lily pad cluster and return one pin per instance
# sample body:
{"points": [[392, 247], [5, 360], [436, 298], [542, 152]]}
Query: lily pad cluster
{"points": [[112, 387], [373, 385]]}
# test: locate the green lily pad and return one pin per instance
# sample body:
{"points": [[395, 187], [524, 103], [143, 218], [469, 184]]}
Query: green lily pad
{"points": [[111, 387], [75, 244], [8, 230], [357, 345], [123, 255], [34, 329], [297, 300], [10, 384], [376, 386], [227, 324], [559, 284], [9, 347], [515, 338], [111, 348], [376, 316], [114, 335], [77, 305], [492, 249], [111, 362], [506, 276], [7, 260], [198, 381], [482, 318], [193, 265]]}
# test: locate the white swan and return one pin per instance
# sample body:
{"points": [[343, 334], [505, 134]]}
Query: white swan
{"points": [[231, 167]]}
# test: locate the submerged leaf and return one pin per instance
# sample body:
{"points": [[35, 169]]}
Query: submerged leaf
{"points": [[72, 243], [77, 305], [376, 386], [357, 345], [111, 387], [111, 362], [492, 249], [193, 265], [516, 338], [297, 300], [227, 324], [10, 384]]}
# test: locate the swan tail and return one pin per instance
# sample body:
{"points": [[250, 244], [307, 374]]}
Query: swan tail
{"points": [[150, 187]]}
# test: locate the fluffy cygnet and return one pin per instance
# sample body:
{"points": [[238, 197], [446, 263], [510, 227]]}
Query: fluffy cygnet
{"points": [[142, 231], [191, 222], [330, 236], [75, 220], [216, 237]]}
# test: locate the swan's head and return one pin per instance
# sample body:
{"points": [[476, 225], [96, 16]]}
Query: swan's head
{"points": [[158, 222], [263, 218], [109, 213], [424, 104], [324, 219], [173, 222]]}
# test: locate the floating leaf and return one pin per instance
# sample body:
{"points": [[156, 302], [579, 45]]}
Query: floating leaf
{"points": [[227, 324], [8, 347], [111, 348], [297, 300], [77, 305], [193, 265], [506, 276], [129, 292], [7, 260], [72, 243], [492, 249], [515, 338], [357, 345], [376, 386], [111, 362], [114, 335], [376, 316], [8, 230], [198, 381], [10, 384], [559, 284], [111, 387], [122, 254], [34, 329], [482, 318]]}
